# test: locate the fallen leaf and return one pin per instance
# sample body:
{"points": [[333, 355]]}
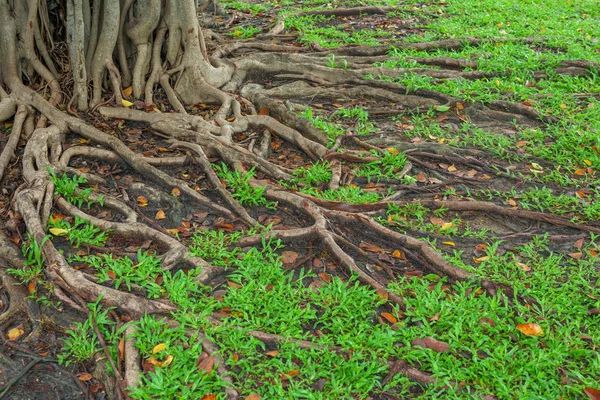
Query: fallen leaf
{"points": [[128, 91], [263, 111], [436, 221], [530, 329], [448, 243], [272, 353], [288, 257], [523, 267], [234, 285], [578, 244], [161, 364], [126, 103], [588, 163], [382, 294], [325, 277], [32, 287], [84, 376], [58, 231], [142, 201], [592, 393], [176, 192], [451, 168], [370, 247], [160, 214], [253, 396], [289, 375], [481, 259], [397, 254], [512, 203], [389, 317], [431, 343], [158, 348], [442, 108], [209, 396], [207, 364], [446, 225], [15, 333], [576, 255]]}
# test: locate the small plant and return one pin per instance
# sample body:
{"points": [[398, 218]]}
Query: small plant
{"points": [[242, 190], [213, 245], [360, 116], [349, 194], [143, 272], [69, 189], [245, 32], [33, 265], [82, 232], [319, 172], [82, 342], [332, 62], [390, 164], [331, 130]]}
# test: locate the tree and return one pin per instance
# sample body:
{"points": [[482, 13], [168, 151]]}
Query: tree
{"points": [[114, 45]]}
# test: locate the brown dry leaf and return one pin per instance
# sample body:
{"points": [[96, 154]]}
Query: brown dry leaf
{"points": [[576, 255], [431, 343], [397, 254], [389, 317], [436, 221], [142, 201], [84, 376], [325, 277], [530, 329], [420, 177], [172, 231], [207, 364], [161, 364], [111, 275], [15, 333], [160, 214], [121, 349], [524, 267], [370, 247], [289, 375], [209, 396], [234, 285], [512, 203], [288, 257], [436, 317], [253, 396], [128, 91], [593, 253], [578, 244], [272, 353], [592, 393], [583, 171], [158, 348], [382, 294]]}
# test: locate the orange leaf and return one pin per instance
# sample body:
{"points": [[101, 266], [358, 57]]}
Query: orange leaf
{"points": [[592, 393], [161, 364], [397, 254], [142, 201], [234, 285], [272, 353], [370, 247], [576, 255], [31, 287], [15, 333], [209, 396], [128, 91], [431, 343], [288, 257], [289, 375], [325, 277], [207, 364], [253, 396], [389, 317], [263, 111], [84, 376], [176, 192], [530, 329], [111, 275], [160, 214], [382, 294]]}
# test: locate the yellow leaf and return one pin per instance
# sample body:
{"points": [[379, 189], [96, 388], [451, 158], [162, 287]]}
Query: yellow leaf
{"points": [[446, 225], [253, 396], [448, 243], [58, 231], [173, 231], [160, 214], [161, 364], [127, 92], [452, 168], [537, 166], [397, 254], [15, 333], [588, 163], [393, 150], [481, 259], [142, 201], [158, 348], [272, 353], [126, 103], [530, 329]]}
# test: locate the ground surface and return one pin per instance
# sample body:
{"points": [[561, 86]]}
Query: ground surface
{"points": [[490, 154]]}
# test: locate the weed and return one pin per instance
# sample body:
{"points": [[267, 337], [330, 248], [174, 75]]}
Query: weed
{"points": [[242, 190], [82, 232], [69, 189]]}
